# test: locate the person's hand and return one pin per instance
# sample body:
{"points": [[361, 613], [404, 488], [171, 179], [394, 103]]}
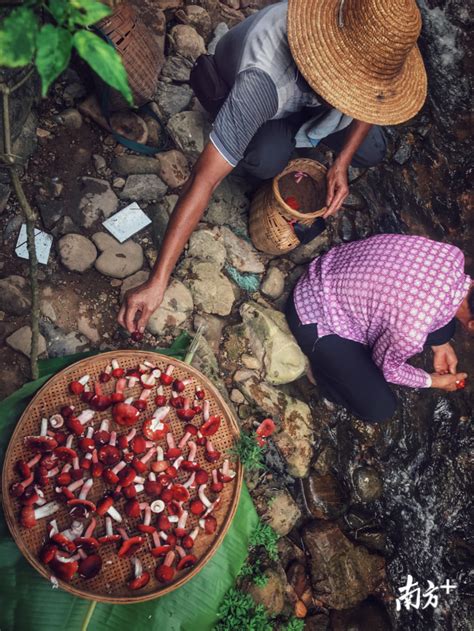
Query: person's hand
{"points": [[337, 188], [444, 359], [450, 383], [138, 305]]}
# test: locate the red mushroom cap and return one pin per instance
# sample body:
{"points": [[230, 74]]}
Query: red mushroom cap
{"points": [[144, 578], [76, 387], [146, 529], [109, 455], [138, 445], [197, 507], [40, 444], [48, 553], [127, 476], [210, 524], [132, 508], [63, 542], [130, 546], [211, 426], [160, 551], [164, 573], [90, 566], [180, 493], [266, 428], [90, 544], [125, 414], [164, 523], [201, 477], [153, 488], [186, 414], [64, 571], [104, 505], [187, 561]]}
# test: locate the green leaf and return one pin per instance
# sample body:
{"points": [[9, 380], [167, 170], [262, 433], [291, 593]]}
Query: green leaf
{"points": [[104, 60], [59, 10], [18, 37], [88, 12], [53, 53]]}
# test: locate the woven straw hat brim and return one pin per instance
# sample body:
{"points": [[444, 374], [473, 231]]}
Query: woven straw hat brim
{"points": [[341, 75]]}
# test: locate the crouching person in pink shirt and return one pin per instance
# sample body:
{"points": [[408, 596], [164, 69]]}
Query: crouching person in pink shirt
{"points": [[363, 309]]}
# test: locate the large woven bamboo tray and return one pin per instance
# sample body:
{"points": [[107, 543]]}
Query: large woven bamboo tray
{"points": [[110, 585]]}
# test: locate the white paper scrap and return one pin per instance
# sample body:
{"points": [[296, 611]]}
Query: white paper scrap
{"points": [[127, 222], [43, 243]]}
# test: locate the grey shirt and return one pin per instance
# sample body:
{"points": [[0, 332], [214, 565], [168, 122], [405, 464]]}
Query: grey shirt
{"points": [[254, 58]]}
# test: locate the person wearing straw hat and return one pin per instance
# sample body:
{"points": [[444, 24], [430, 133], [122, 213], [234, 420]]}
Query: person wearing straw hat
{"points": [[294, 74], [363, 309]]}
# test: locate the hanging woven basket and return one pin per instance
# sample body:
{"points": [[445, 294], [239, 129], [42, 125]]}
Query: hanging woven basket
{"points": [[140, 52], [271, 217]]}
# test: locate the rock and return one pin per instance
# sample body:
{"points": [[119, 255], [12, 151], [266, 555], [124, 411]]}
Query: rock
{"points": [[20, 341], [294, 436], [99, 162], [172, 98], [117, 260], [77, 253], [47, 310], [282, 512], [273, 283], [61, 343], [237, 397], [229, 206], [342, 574], [241, 254], [272, 594], [65, 226], [118, 182], [197, 17], [251, 362], [272, 342], [143, 188], [98, 201], [71, 118], [5, 191], [169, 4], [187, 41], [318, 622], [189, 131], [135, 165], [173, 168], [14, 295], [212, 329], [51, 211], [206, 244], [177, 68], [155, 132], [175, 308], [324, 496], [370, 614], [87, 329], [367, 483], [133, 281], [212, 291], [306, 253]]}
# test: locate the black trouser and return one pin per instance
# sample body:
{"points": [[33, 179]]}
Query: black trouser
{"points": [[345, 371], [271, 147]]}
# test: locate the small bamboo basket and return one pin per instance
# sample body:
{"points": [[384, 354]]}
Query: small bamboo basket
{"points": [[140, 52], [271, 218]]}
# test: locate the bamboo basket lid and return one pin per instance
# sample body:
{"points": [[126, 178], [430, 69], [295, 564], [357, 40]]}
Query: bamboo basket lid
{"points": [[110, 585]]}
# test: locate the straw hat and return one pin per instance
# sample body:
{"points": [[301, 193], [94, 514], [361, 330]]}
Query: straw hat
{"points": [[361, 55]]}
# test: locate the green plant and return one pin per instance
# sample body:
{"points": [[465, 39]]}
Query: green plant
{"points": [[249, 452], [255, 572], [294, 625], [265, 536], [239, 611], [24, 40]]}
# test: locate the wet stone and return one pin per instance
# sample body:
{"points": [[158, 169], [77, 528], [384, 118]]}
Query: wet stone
{"points": [[172, 98], [187, 41], [14, 295], [190, 131], [324, 496], [177, 68], [271, 595], [282, 512], [367, 483]]}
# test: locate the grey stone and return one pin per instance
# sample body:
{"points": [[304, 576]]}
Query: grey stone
{"points": [[189, 131], [60, 343], [241, 254], [143, 188], [177, 68], [51, 211], [117, 260], [367, 483], [229, 206], [71, 118], [98, 201], [187, 41], [99, 162], [212, 291], [212, 329], [175, 308], [172, 98], [272, 342], [77, 253], [135, 165], [174, 169], [20, 340], [219, 32], [282, 512], [273, 283], [14, 295], [206, 244], [197, 17]]}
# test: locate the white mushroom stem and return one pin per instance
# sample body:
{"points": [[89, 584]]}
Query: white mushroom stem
{"points": [[90, 431], [226, 471], [173, 519], [156, 539], [149, 364], [192, 451], [183, 519], [131, 434], [139, 479], [115, 364], [53, 528], [75, 485], [177, 463], [44, 427], [56, 421], [194, 534], [149, 455], [139, 488], [120, 385], [145, 394], [170, 440], [113, 439], [147, 518], [86, 416], [63, 559], [129, 401], [86, 487], [118, 467], [160, 414], [53, 472], [190, 481], [152, 476], [184, 440], [162, 535], [90, 528], [132, 381], [202, 496], [156, 372], [67, 467], [212, 507], [158, 506], [105, 425], [160, 454], [109, 531], [206, 410], [75, 463], [31, 463], [76, 529], [69, 440], [46, 510], [113, 512], [169, 369], [180, 551], [137, 567], [83, 380], [82, 554]]}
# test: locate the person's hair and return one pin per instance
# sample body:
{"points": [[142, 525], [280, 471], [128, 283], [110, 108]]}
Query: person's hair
{"points": [[470, 302]]}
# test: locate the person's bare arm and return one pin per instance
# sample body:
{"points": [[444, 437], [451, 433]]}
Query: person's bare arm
{"points": [[337, 181], [207, 174]]}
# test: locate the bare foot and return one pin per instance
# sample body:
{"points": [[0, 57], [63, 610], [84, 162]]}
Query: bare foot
{"points": [[309, 374]]}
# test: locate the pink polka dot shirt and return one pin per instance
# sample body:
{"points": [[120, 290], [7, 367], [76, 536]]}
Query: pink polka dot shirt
{"points": [[388, 292]]}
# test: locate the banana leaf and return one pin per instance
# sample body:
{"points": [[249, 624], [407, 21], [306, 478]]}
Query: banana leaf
{"points": [[28, 601]]}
